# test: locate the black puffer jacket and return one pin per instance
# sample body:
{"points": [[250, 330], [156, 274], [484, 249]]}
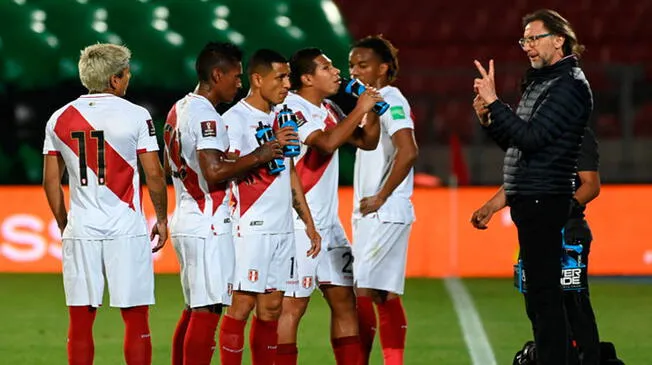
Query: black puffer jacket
{"points": [[543, 137]]}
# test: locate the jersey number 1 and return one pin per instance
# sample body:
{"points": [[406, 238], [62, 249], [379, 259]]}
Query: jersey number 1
{"points": [[82, 139]]}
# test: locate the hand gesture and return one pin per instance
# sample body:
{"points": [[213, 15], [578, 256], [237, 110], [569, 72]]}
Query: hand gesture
{"points": [[482, 216], [481, 110], [287, 136], [160, 229], [368, 99], [371, 204], [269, 151], [485, 86], [315, 242]]}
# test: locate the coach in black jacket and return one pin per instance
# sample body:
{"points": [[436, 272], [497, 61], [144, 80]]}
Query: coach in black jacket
{"points": [[542, 140]]}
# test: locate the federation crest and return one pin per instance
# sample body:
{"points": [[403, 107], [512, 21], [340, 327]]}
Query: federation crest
{"points": [[253, 275], [306, 282]]}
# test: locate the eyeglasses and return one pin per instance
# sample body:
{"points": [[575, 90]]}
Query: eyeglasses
{"points": [[532, 39]]}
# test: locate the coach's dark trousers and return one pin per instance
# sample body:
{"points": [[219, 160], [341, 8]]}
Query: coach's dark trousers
{"points": [[539, 220]]}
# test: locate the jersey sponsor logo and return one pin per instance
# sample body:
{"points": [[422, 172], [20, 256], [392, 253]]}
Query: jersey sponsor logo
{"points": [[209, 128], [253, 275], [256, 223], [301, 120], [151, 128], [397, 112], [306, 282]]}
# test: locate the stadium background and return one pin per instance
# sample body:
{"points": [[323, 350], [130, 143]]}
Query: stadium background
{"points": [[458, 166]]}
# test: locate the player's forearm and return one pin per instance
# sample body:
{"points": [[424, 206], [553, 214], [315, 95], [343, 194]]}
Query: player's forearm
{"points": [[367, 137], [227, 169], [342, 132], [54, 194], [403, 163], [159, 197], [498, 201], [587, 192], [299, 202]]}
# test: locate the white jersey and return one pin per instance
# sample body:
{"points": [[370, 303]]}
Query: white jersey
{"points": [[192, 125], [264, 204], [372, 168], [99, 137], [319, 173]]}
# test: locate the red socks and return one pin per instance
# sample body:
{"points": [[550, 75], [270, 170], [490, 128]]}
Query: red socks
{"points": [[81, 349], [137, 341], [262, 340], [179, 337], [367, 325], [393, 330], [199, 342], [347, 350], [231, 341], [287, 354]]}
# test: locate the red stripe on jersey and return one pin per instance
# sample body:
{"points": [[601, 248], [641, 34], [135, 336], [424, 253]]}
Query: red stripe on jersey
{"points": [[313, 164], [250, 192], [142, 150], [190, 180], [54, 153], [119, 175]]}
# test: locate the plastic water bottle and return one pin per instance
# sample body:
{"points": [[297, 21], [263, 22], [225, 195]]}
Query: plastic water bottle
{"points": [[356, 88], [286, 118], [264, 134]]}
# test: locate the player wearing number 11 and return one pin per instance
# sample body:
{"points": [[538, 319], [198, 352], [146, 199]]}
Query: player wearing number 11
{"points": [[99, 139]]}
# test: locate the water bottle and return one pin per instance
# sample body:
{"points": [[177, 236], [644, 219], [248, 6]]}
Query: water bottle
{"points": [[286, 118], [356, 88], [264, 134]]}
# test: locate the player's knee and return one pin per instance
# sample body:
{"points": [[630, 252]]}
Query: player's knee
{"points": [[295, 308], [341, 299], [241, 306], [269, 309]]}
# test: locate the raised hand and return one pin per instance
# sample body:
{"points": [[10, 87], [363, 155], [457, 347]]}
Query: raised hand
{"points": [[486, 85], [369, 98]]}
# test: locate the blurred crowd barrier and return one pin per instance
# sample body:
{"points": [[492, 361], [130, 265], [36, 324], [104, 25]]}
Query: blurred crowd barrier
{"points": [[442, 243]]}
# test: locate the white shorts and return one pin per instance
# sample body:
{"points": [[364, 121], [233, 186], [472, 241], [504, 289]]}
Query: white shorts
{"points": [[125, 262], [333, 265], [206, 268], [262, 261], [380, 251]]}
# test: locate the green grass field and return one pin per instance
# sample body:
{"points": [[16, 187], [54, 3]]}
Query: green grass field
{"points": [[33, 322]]}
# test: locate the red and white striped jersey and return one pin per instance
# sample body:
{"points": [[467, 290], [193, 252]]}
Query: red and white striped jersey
{"points": [[263, 203], [201, 209], [319, 173], [99, 137]]}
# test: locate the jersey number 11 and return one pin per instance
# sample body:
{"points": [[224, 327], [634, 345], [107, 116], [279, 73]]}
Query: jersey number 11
{"points": [[83, 139]]}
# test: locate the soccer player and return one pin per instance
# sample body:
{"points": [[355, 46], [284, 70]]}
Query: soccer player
{"points": [[196, 143], [322, 131], [264, 239], [382, 210], [99, 139]]}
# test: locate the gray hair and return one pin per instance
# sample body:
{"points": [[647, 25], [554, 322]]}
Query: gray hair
{"points": [[97, 63]]}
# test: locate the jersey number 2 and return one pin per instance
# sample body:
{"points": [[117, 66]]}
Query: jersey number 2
{"points": [[82, 139]]}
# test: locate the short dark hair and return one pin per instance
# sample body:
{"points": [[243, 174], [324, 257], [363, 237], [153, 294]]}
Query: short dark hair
{"points": [[302, 63], [216, 54], [385, 50], [261, 61], [558, 25]]}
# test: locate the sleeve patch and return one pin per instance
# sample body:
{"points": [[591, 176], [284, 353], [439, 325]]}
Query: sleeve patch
{"points": [[151, 128], [397, 112], [209, 128], [301, 120]]}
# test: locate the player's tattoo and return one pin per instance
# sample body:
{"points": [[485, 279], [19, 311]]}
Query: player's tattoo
{"points": [[297, 205]]}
